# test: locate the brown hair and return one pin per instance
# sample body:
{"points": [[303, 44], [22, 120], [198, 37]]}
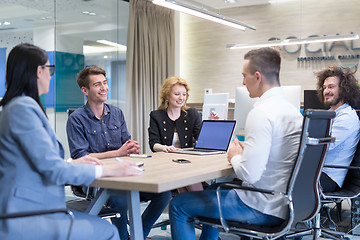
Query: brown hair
{"points": [[83, 76], [165, 91], [349, 90], [267, 61]]}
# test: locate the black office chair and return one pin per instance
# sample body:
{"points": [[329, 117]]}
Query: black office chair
{"points": [[84, 198], [302, 194], [349, 190], [41, 212]]}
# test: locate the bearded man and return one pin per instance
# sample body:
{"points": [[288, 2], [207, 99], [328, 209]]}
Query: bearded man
{"points": [[338, 89]]}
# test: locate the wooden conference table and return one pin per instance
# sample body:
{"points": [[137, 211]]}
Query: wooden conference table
{"points": [[161, 174]]}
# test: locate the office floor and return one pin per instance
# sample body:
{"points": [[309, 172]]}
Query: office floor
{"points": [[159, 234], [344, 225]]}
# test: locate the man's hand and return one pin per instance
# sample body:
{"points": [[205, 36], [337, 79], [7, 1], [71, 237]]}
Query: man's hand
{"points": [[121, 169], [130, 147], [214, 116], [237, 149], [87, 160]]}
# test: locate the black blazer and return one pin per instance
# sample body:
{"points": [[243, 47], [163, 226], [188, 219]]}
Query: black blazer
{"points": [[161, 129]]}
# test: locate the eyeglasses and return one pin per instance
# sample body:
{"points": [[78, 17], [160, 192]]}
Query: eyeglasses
{"points": [[51, 68]]}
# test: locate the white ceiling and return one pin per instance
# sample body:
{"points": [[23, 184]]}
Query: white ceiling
{"points": [[110, 21], [27, 13]]}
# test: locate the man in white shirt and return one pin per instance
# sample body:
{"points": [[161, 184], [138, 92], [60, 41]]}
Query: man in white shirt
{"points": [[264, 160], [338, 89]]}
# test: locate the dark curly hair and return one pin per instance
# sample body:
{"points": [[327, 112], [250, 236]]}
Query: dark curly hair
{"points": [[349, 91]]}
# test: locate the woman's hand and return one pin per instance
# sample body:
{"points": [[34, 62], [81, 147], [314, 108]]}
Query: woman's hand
{"points": [[87, 160], [121, 169], [169, 148]]}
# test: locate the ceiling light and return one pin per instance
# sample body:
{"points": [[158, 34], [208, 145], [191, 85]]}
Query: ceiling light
{"points": [[98, 50], [89, 13], [5, 23], [202, 13], [280, 1], [295, 41], [112, 44]]}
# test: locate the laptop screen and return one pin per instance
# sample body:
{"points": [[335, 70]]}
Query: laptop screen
{"points": [[215, 134]]}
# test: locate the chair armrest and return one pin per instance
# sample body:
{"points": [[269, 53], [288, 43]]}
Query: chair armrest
{"points": [[320, 141], [40, 212], [239, 186], [32, 213], [345, 167]]}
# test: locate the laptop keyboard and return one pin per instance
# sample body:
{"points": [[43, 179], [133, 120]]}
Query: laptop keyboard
{"points": [[202, 150]]}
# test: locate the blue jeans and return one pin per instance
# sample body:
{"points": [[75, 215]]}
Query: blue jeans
{"points": [[158, 202], [186, 206], [91, 227]]}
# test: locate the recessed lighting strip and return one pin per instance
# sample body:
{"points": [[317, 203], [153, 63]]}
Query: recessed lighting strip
{"points": [[295, 41], [4, 23], [112, 44], [202, 13]]}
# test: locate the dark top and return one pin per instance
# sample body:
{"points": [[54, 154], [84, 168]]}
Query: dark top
{"points": [[161, 129], [88, 134]]}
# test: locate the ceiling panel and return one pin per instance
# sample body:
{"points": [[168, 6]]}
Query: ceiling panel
{"points": [[221, 4]]}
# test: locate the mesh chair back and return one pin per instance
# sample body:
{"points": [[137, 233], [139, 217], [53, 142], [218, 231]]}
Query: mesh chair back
{"points": [[303, 185], [351, 185], [77, 190]]}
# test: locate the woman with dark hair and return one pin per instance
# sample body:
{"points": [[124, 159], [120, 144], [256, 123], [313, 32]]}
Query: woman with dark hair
{"points": [[32, 167]]}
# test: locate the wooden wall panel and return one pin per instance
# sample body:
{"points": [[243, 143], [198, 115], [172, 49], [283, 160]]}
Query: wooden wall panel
{"points": [[206, 63]]}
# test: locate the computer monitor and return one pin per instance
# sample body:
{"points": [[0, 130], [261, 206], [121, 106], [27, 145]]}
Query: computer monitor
{"points": [[312, 101], [217, 102], [243, 104], [293, 94]]}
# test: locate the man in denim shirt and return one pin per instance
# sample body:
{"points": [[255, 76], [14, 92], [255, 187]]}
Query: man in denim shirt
{"points": [[99, 130], [338, 89]]}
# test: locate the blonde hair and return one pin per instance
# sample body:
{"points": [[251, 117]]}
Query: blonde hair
{"points": [[165, 92]]}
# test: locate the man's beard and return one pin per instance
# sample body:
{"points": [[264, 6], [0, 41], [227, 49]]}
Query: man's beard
{"points": [[333, 102]]}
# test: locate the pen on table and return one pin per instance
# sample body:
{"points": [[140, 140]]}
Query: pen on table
{"points": [[139, 155]]}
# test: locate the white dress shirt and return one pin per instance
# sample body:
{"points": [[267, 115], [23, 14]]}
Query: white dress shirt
{"points": [[345, 129], [273, 129]]}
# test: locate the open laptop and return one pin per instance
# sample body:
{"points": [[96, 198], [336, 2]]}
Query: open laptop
{"points": [[214, 138]]}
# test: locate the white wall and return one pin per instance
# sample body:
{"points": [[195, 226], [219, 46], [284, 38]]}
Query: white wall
{"points": [[206, 63]]}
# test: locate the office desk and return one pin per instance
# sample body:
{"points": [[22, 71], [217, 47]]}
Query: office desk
{"points": [[161, 174]]}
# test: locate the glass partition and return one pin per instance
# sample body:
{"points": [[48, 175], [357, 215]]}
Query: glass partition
{"points": [[75, 34]]}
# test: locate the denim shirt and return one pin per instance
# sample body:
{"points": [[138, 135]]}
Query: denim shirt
{"points": [[88, 134]]}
